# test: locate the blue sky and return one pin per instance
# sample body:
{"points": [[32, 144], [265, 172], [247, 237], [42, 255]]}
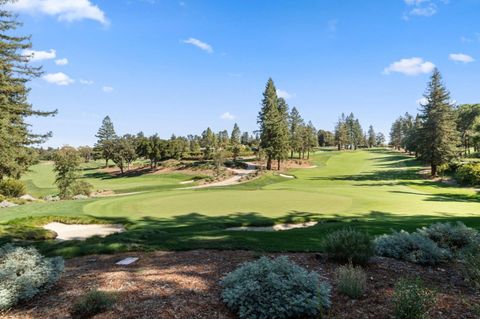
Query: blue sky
{"points": [[172, 66]]}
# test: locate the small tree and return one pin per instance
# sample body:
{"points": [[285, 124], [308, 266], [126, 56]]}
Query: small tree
{"points": [[372, 138], [66, 166], [235, 141], [106, 140], [86, 152], [124, 152]]}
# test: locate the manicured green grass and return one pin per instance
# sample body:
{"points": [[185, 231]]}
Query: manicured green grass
{"points": [[374, 190]]}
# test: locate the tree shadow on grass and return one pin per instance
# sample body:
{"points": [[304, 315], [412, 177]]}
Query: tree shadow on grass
{"points": [[445, 197]]}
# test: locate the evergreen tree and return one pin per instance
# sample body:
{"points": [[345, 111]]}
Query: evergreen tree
{"points": [[208, 142], [311, 140], [15, 136], [235, 141], [341, 132], [468, 116], [106, 136], [326, 138], [438, 135], [380, 139], [295, 123], [372, 138]]}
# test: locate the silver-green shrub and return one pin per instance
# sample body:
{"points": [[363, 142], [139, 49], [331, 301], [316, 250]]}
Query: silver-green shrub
{"points": [[450, 236], [412, 247], [275, 288], [351, 280], [412, 300], [24, 272]]}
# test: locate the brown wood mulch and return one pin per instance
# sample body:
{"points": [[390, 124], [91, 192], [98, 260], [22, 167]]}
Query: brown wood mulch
{"points": [[186, 285]]}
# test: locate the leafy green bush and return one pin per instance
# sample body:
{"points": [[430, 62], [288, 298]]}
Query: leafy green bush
{"points": [[349, 245], [24, 273], [12, 188], [450, 236], [81, 188], [412, 300], [351, 280], [412, 247], [276, 288], [91, 304], [469, 174], [472, 265]]}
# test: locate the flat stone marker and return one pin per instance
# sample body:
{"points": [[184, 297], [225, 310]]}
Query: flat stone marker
{"points": [[127, 261]]}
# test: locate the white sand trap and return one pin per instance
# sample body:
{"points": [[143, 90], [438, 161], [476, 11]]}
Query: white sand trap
{"points": [[278, 227], [187, 182], [287, 176], [82, 232]]}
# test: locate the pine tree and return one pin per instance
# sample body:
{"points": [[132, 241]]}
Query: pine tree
{"points": [[438, 135], [15, 136], [106, 136], [295, 122], [282, 140], [268, 119], [235, 141], [371, 137], [341, 132]]}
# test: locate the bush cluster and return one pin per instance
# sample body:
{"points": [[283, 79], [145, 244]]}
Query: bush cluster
{"points": [[454, 237], [24, 272], [412, 247], [349, 245], [82, 188], [276, 288], [91, 304], [351, 280], [468, 174], [412, 300], [472, 265], [12, 188]]}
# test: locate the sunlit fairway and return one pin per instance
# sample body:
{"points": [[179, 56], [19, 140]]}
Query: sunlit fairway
{"points": [[375, 190]]}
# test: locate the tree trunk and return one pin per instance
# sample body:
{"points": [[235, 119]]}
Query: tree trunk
{"points": [[308, 154], [278, 164], [106, 162], [434, 170], [291, 154], [269, 163]]}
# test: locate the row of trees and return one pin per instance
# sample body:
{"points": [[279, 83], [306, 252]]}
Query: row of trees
{"points": [[283, 133], [350, 135], [441, 131]]}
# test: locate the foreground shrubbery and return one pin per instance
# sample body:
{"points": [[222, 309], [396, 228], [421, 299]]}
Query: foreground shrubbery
{"points": [[472, 265], [24, 273], [349, 245], [412, 300], [12, 188], [91, 304], [275, 288], [351, 280], [427, 246]]}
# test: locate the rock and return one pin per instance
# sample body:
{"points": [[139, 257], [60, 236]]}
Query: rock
{"points": [[50, 198], [28, 197], [79, 197], [6, 204]]}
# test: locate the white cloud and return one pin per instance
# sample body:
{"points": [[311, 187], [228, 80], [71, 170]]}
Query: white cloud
{"points": [[411, 66], [39, 55], [227, 116], [422, 101], [63, 61], [199, 44], [283, 94], [64, 10], [58, 78], [86, 82], [424, 8], [460, 57], [107, 89]]}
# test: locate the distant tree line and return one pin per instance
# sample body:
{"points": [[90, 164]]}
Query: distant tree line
{"points": [[441, 132]]}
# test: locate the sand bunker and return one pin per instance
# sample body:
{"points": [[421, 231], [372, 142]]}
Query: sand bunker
{"points": [[82, 232], [278, 227], [286, 176]]}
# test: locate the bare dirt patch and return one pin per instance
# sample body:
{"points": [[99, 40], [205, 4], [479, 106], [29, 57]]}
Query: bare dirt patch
{"points": [[82, 232], [185, 285]]}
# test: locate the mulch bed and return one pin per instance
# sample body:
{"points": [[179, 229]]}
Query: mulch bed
{"points": [[186, 285]]}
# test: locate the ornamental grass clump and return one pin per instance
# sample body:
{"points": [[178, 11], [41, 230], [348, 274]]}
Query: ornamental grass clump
{"points": [[24, 272], [351, 280], [275, 288], [92, 303], [349, 245]]}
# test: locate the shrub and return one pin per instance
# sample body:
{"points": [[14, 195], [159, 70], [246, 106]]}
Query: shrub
{"points": [[82, 188], [412, 300], [412, 247], [24, 273], [351, 280], [349, 245], [450, 236], [469, 174], [12, 188], [276, 288], [91, 304], [472, 265]]}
